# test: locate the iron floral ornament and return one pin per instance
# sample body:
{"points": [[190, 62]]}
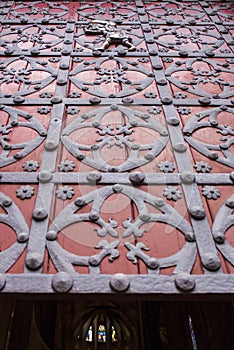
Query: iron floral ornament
{"points": [[112, 34]]}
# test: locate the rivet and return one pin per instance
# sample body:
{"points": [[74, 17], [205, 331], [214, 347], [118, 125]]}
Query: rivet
{"points": [[18, 156], [137, 178], [69, 30], [204, 100], [213, 155], [149, 156], [162, 82], [159, 203], [79, 202], [122, 52], [45, 20], [153, 263], [94, 216], [219, 237], [170, 21], [94, 261], [8, 51], [43, 133], [153, 53], [14, 123], [95, 124], [62, 282], [224, 146], [2, 281], [192, 21], [173, 121], [135, 146], [183, 53], [61, 82], [51, 235], [164, 133], [35, 52], [127, 100], [157, 67], [95, 100], [34, 261], [146, 30], [197, 212], [51, 145], [119, 282], [94, 177], [230, 203], [7, 203], [144, 217], [44, 176], [95, 147], [113, 169], [66, 52], [187, 177], [40, 214], [80, 156], [209, 53], [211, 261], [117, 188], [56, 99], [150, 41], [189, 236], [18, 99], [114, 107], [185, 282], [64, 66], [22, 237], [166, 100], [179, 147], [97, 53]]}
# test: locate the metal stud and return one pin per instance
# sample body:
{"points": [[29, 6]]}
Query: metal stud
{"points": [[137, 178], [51, 145], [119, 282], [45, 176], [197, 212], [40, 214], [18, 99], [185, 282], [187, 177], [179, 147], [23, 237], [230, 203], [34, 261], [211, 261], [94, 177], [95, 100], [62, 282], [51, 235]]}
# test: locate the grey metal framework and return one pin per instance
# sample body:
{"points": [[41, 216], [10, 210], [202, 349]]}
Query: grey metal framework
{"points": [[79, 56]]}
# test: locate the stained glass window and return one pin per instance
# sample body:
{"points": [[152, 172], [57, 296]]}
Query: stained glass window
{"points": [[192, 333], [102, 333], [114, 337], [89, 336]]}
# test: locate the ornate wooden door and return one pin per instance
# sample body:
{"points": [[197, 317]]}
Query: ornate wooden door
{"points": [[116, 142]]}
